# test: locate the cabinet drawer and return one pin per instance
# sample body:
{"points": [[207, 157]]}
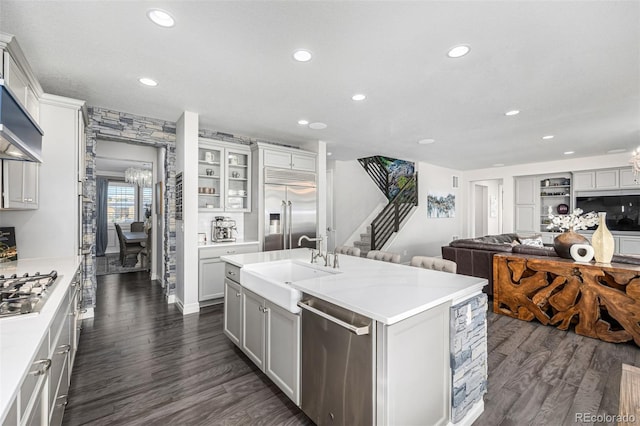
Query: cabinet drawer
{"points": [[36, 372], [213, 251], [232, 272], [59, 320], [59, 359]]}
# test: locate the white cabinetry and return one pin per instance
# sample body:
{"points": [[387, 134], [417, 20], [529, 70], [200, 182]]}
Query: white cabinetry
{"points": [[20, 184], [289, 160], [211, 270], [43, 393], [224, 176], [18, 76], [271, 339], [233, 310], [620, 178], [535, 196], [627, 244]]}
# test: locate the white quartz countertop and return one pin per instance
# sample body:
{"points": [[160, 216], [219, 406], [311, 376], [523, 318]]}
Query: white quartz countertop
{"points": [[227, 244], [21, 335], [383, 291]]}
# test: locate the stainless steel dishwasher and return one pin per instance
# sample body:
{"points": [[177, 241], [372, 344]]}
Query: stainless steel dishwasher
{"points": [[338, 364]]}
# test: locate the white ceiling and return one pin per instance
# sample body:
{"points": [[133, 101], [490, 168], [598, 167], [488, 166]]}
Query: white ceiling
{"points": [[571, 67]]}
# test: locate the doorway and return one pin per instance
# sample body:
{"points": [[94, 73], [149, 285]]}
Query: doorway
{"points": [[486, 207]]}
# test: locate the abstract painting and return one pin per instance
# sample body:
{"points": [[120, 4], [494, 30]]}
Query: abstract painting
{"points": [[440, 205]]}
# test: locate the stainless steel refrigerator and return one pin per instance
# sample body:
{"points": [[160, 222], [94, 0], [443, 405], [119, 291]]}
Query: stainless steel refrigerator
{"points": [[290, 209]]}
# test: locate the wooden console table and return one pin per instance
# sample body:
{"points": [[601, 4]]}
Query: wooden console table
{"points": [[599, 300]]}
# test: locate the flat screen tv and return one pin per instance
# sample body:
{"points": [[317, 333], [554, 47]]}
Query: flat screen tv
{"points": [[623, 211]]}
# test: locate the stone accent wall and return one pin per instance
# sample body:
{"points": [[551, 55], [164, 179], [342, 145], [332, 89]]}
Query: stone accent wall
{"points": [[117, 126], [468, 355]]}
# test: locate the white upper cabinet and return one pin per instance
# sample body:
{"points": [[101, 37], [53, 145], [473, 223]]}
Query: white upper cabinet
{"points": [[18, 76], [604, 179], [224, 176], [289, 160], [20, 184]]}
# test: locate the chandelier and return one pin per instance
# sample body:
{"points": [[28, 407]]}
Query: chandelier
{"points": [[139, 177]]}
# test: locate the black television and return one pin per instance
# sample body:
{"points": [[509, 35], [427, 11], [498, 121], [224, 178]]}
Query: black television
{"points": [[623, 211]]}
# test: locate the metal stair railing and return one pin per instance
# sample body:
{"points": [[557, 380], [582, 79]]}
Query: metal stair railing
{"points": [[389, 219], [378, 173]]}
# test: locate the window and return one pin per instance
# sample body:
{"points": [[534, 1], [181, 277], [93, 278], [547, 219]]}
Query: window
{"points": [[121, 202]]}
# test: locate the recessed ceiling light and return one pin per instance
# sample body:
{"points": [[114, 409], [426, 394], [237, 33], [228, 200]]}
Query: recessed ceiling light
{"points": [[458, 51], [161, 17], [317, 126], [616, 151], [302, 55], [546, 138], [498, 165], [148, 81], [569, 152], [359, 97], [303, 122], [426, 141], [329, 154], [512, 112]]}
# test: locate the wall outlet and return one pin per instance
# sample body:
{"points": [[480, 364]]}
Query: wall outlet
{"points": [[404, 253], [455, 237]]}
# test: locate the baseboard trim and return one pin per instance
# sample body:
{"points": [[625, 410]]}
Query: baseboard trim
{"points": [[191, 308], [472, 415], [171, 299]]}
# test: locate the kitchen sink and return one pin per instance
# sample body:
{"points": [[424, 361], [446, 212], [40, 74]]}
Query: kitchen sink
{"points": [[272, 280]]}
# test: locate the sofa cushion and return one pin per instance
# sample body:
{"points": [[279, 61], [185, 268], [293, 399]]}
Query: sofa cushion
{"points": [[535, 251]]}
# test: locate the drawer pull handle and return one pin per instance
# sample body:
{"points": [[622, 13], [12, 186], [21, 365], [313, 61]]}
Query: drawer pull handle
{"points": [[64, 402], [230, 251], [231, 273], [237, 294], [43, 366], [63, 349]]}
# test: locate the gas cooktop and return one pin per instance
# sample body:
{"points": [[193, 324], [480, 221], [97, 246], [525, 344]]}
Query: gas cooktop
{"points": [[25, 294]]}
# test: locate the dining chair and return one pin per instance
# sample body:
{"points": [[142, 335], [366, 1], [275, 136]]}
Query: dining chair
{"points": [[146, 252], [137, 226], [348, 250], [435, 263], [128, 251], [384, 256]]}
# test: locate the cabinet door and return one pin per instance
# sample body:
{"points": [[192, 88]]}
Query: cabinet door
{"points": [[253, 327], [607, 179], [527, 190], [30, 184], [15, 80], [210, 178], [238, 182], [277, 159], [584, 180], [629, 245], [12, 181], [527, 219], [303, 162], [628, 178], [232, 311], [210, 279], [282, 358]]}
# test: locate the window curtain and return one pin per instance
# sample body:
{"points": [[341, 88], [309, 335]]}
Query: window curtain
{"points": [[102, 189]]}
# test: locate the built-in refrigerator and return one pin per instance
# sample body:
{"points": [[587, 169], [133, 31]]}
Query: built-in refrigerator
{"points": [[290, 209]]}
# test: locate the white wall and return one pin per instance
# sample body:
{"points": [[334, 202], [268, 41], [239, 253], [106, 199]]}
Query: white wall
{"points": [[187, 228], [423, 236], [52, 229], [507, 174], [355, 196]]}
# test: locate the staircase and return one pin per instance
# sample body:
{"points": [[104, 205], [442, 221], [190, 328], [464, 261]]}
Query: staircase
{"points": [[399, 183]]}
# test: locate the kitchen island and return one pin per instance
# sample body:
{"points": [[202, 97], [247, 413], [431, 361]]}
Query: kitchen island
{"points": [[427, 331], [37, 349]]}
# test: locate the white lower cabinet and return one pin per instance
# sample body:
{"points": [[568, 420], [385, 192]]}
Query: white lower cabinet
{"points": [[211, 270], [233, 311], [270, 337]]}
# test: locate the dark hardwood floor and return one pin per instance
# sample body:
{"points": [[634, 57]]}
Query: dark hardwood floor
{"points": [[141, 362]]}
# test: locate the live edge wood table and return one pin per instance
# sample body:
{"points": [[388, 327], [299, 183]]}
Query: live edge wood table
{"points": [[596, 300]]}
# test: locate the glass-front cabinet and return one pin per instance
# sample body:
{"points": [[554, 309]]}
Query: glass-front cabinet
{"points": [[238, 180], [224, 176]]}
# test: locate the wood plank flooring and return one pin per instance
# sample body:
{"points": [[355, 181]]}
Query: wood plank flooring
{"points": [[141, 362]]}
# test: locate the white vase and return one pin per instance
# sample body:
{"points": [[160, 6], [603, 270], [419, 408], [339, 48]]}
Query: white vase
{"points": [[602, 241]]}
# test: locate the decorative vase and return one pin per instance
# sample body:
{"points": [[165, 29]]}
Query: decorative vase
{"points": [[602, 241], [563, 242]]}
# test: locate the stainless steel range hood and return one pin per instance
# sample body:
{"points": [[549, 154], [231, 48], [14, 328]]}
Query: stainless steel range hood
{"points": [[20, 136]]}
